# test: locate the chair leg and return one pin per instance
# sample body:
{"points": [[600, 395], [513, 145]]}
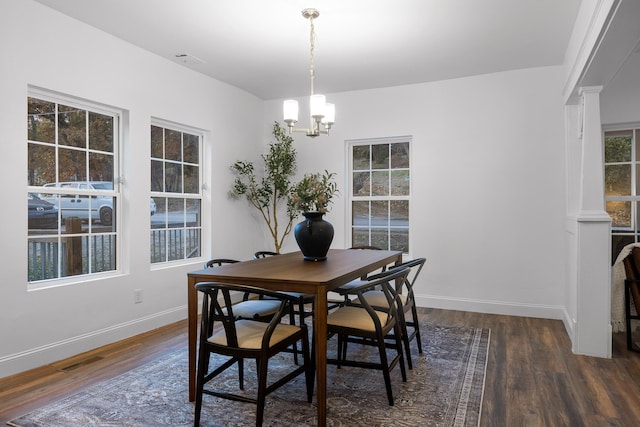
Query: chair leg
{"points": [[241, 373], [313, 350], [203, 364], [196, 419], [385, 370], [261, 365], [339, 350], [398, 331], [405, 339], [309, 371], [416, 327], [292, 321], [627, 313], [345, 341]]}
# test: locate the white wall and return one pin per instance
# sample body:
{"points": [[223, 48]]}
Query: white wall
{"points": [[44, 48], [488, 202]]}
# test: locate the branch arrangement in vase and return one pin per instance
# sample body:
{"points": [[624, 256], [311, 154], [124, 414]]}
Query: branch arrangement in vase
{"points": [[313, 193], [273, 191]]}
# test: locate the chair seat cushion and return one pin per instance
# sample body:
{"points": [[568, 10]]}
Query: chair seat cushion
{"points": [[377, 299], [256, 307], [355, 318], [250, 333]]}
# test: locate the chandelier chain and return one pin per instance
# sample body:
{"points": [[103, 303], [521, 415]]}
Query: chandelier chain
{"points": [[312, 44]]}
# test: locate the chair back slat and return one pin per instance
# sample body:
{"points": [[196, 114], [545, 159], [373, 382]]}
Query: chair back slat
{"points": [[416, 267], [264, 254], [217, 262]]}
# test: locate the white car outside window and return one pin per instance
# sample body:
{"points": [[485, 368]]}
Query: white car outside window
{"points": [[83, 206]]}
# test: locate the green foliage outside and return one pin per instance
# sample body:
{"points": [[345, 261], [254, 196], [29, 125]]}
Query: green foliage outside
{"points": [[617, 177]]}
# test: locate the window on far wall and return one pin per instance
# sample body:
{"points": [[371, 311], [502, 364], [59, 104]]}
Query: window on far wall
{"points": [[176, 229], [379, 192], [622, 185], [72, 193]]}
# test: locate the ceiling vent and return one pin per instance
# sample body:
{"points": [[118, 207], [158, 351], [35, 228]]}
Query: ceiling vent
{"points": [[188, 59]]}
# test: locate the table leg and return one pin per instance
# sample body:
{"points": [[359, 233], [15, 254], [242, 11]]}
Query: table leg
{"points": [[320, 336], [192, 316]]}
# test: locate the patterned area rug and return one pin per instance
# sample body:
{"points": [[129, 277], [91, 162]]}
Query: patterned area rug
{"points": [[444, 388]]}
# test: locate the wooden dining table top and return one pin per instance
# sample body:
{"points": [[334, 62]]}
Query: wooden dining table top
{"points": [[290, 272]]}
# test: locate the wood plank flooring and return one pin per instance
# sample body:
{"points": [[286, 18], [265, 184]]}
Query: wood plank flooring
{"points": [[533, 378]]}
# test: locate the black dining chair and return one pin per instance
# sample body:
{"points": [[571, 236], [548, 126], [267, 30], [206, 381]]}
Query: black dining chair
{"points": [[234, 338], [251, 305], [367, 325], [407, 304]]}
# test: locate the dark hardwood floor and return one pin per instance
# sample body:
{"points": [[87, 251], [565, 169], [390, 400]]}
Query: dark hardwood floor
{"points": [[533, 378]]}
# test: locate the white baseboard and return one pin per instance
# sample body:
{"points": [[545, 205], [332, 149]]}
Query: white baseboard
{"points": [[569, 325], [491, 307], [39, 356], [52, 352]]}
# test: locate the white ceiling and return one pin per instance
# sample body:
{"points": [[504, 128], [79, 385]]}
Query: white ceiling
{"points": [[262, 46]]}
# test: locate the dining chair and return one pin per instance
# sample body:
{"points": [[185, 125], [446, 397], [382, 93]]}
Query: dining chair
{"points": [[407, 304], [234, 338], [251, 305], [632, 294], [368, 325]]}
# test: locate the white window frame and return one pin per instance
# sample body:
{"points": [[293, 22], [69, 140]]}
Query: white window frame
{"points": [[633, 231], [116, 193], [349, 144], [167, 124]]}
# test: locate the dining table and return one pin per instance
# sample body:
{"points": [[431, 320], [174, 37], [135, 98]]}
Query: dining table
{"points": [[291, 272]]}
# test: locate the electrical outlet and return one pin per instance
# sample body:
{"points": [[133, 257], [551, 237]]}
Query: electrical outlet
{"points": [[137, 296]]}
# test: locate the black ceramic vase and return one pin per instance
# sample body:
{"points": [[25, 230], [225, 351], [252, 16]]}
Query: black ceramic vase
{"points": [[314, 236]]}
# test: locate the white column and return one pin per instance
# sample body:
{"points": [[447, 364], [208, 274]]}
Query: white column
{"points": [[592, 335]]}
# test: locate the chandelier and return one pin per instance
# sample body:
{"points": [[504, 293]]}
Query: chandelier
{"points": [[320, 111]]}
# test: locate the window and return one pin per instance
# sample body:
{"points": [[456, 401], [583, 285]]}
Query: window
{"points": [[72, 199], [622, 185], [176, 189], [379, 182]]}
